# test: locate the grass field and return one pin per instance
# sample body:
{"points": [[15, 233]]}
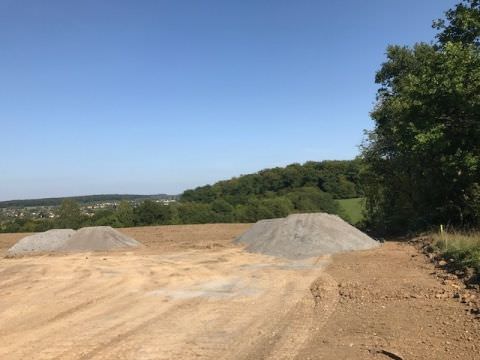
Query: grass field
{"points": [[353, 208]]}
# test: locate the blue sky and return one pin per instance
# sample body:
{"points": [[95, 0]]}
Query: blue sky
{"points": [[159, 96]]}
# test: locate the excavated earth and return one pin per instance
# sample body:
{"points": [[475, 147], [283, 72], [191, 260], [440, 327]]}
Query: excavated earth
{"points": [[191, 293]]}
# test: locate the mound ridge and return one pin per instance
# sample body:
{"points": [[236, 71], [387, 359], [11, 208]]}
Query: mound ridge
{"points": [[301, 236], [98, 238]]}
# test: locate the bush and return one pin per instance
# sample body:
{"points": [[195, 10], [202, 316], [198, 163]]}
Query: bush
{"points": [[311, 199], [195, 213], [153, 213]]}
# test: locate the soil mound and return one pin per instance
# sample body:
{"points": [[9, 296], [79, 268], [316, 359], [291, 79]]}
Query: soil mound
{"points": [[47, 241], [301, 236], [97, 238]]}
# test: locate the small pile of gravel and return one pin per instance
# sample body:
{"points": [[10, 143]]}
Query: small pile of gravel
{"points": [[301, 236], [97, 238], [47, 241]]}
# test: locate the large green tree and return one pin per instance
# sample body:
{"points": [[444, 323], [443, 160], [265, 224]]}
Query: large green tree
{"points": [[125, 214], [69, 215], [423, 156]]}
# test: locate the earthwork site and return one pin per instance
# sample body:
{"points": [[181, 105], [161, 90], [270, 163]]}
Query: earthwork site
{"points": [[309, 286]]}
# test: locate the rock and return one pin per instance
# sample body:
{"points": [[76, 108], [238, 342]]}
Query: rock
{"points": [[391, 354]]}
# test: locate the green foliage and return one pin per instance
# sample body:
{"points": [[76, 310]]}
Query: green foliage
{"points": [[311, 199], [278, 206], [423, 156], [125, 214], [223, 211], [153, 213], [196, 213], [270, 193], [339, 178], [353, 209], [462, 248], [27, 225], [267, 208], [461, 24], [274, 193], [103, 217], [69, 215]]}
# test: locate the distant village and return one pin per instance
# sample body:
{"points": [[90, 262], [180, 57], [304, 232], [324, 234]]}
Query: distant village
{"points": [[50, 212]]}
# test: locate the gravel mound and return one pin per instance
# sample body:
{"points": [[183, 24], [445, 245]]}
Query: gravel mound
{"points": [[301, 236], [47, 241], [97, 238]]}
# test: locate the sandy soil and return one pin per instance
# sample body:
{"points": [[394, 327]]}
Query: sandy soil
{"points": [[190, 293]]}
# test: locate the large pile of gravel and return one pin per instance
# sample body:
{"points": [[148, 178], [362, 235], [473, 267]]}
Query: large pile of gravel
{"points": [[97, 238], [305, 235]]}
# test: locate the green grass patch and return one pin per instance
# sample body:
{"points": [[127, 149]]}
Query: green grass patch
{"points": [[353, 208], [463, 248]]}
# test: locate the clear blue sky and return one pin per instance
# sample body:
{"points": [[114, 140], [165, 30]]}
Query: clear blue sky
{"points": [[159, 96]]}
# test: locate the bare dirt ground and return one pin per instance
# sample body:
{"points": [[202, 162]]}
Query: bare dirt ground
{"points": [[192, 294]]}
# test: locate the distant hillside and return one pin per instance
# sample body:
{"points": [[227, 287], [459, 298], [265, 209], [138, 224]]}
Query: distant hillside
{"points": [[339, 179], [277, 192], [81, 199], [267, 194]]}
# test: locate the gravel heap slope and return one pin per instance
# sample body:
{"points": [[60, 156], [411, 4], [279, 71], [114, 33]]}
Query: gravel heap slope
{"points": [[46, 241], [98, 238], [301, 236]]}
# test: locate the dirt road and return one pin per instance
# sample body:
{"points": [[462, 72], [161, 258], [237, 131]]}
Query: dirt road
{"points": [[192, 294]]}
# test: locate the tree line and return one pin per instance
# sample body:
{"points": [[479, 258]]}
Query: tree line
{"points": [[340, 179], [422, 159], [270, 193]]}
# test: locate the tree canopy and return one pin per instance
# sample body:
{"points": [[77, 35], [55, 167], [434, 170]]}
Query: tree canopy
{"points": [[423, 156], [338, 178]]}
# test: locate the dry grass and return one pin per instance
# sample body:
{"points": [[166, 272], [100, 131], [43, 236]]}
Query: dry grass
{"points": [[463, 248]]}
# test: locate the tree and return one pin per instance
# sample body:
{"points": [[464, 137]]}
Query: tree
{"points": [[195, 213], [125, 214], [311, 199], [339, 178], [223, 211], [153, 213], [461, 24], [423, 156], [253, 211], [69, 215]]}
